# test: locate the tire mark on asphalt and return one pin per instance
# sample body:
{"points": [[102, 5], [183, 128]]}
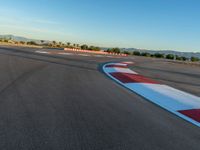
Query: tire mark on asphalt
{"points": [[22, 77]]}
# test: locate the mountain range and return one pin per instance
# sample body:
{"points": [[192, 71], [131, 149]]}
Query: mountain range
{"points": [[19, 38]]}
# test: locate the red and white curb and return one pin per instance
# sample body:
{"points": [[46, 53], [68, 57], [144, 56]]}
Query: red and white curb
{"points": [[95, 52], [73, 54], [182, 104]]}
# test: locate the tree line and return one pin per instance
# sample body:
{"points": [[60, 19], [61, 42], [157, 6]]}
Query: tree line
{"points": [[53, 44], [155, 55], [167, 56]]}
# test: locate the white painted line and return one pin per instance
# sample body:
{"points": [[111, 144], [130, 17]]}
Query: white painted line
{"points": [[42, 52], [98, 55], [109, 56], [83, 55], [119, 64], [65, 53], [123, 70]]}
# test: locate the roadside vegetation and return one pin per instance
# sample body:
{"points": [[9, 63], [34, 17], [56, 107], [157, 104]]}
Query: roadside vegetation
{"points": [[51, 44], [55, 44], [155, 55], [167, 56]]}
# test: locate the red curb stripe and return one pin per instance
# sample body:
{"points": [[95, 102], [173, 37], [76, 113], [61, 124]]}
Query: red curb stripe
{"points": [[131, 78], [116, 66], [193, 114]]}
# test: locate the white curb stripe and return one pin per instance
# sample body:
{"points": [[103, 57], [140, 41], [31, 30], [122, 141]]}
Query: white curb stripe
{"points": [[166, 96], [98, 55], [42, 52], [65, 53], [123, 70], [120, 64], [83, 55]]}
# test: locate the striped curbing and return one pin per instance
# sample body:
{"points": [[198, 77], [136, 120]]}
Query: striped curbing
{"points": [[182, 104]]}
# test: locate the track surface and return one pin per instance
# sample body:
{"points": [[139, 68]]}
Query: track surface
{"points": [[65, 102]]}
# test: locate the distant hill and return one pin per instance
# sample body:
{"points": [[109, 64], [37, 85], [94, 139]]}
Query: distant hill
{"points": [[19, 38], [15, 38]]}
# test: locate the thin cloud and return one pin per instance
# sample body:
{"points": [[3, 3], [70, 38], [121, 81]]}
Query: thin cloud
{"points": [[16, 19], [38, 30], [45, 21]]}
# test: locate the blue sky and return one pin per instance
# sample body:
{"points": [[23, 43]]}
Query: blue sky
{"points": [[150, 24]]}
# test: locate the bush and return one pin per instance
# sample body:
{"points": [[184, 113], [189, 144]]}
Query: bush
{"points": [[93, 48], [84, 47], [152, 55], [170, 56], [136, 53], [184, 58], [180, 58], [146, 54], [108, 50], [127, 52], [193, 59], [22, 42], [158, 55], [114, 50], [31, 43]]}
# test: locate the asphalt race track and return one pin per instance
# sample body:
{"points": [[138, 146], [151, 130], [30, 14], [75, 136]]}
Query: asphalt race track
{"points": [[64, 102]]}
